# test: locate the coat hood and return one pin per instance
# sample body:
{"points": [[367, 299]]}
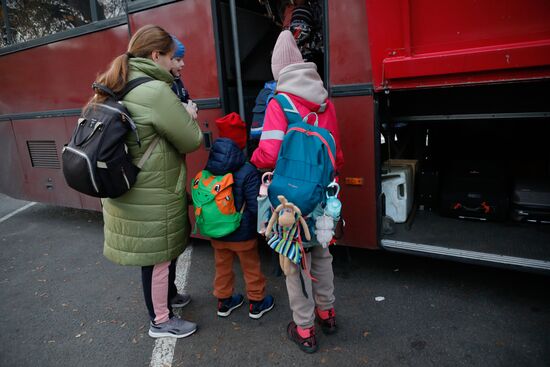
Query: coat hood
{"points": [[304, 81], [148, 67], [225, 157]]}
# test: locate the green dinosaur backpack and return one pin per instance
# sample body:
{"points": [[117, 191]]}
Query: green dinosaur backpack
{"points": [[215, 212]]}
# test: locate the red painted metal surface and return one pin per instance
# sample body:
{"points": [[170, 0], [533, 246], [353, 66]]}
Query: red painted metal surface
{"points": [[349, 54], [357, 139], [349, 60], [46, 185], [58, 75], [429, 43], [11, 169]]}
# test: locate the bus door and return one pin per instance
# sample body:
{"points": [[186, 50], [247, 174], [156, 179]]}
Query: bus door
{"points": [[245, 35]]}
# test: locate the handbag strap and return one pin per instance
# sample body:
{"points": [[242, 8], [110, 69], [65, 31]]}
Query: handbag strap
{"points": [[148, 152]]}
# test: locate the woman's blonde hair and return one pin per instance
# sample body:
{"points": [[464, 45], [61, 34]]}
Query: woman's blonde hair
{"points": [[147, 39]]}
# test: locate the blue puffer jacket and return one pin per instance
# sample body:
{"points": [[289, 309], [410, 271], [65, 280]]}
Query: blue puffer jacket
{"points": [[225, 156]]}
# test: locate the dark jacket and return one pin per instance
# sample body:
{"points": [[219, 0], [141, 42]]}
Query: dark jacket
{"points": [[179, 89], [225, 157]]}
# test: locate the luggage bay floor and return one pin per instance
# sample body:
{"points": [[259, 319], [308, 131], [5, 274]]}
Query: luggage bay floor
{"points": [[522, 240]]}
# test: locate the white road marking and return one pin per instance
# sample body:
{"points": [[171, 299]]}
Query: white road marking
{"points": [[163, 352], [8, 216]]}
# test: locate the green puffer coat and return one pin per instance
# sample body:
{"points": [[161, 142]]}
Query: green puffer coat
{"points": [[148, 224]]}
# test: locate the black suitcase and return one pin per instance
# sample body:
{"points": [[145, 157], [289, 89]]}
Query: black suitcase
{"points": [[475, 190], [531, 200], [428, 187]]}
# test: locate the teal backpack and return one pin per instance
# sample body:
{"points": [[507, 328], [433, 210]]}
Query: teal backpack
{"points": [[306, 162], [214, 203]]}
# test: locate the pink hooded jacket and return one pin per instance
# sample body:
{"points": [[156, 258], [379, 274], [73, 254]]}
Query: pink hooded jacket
{"points": [[302, 84]]}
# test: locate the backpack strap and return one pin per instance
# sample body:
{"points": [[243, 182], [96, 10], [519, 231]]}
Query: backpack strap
{"points": [[104, 89], [131, 85], [288, 107], [127, 88], [148, 152]]}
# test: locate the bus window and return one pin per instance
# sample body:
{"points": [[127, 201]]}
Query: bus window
{"points": [[28, 20]]}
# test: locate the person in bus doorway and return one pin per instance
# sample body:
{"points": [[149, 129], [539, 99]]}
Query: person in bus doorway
{"points": [[226, 156], [175, 70], [301, 82], [148, 226]]}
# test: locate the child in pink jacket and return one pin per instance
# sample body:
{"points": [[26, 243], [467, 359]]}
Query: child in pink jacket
{"points": [[301, 82]]}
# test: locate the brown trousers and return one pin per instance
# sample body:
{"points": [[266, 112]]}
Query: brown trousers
{"points": [[247, 251]]}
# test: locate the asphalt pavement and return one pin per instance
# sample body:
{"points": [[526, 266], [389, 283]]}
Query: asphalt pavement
{"points": [[64, 304]]}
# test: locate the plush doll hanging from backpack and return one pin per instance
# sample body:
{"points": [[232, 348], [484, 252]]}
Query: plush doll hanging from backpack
{"points": [[285, 222]]}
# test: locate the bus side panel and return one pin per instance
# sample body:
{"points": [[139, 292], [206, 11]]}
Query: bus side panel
{"points": [[42, 183], [191, 22], [473, 41], [73, 63], [350, 68], [350, 61], [358, 200], [11, 172]]}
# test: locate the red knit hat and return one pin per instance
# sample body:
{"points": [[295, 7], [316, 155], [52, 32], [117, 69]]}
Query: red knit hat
{"points": [[233, 127], [285, 53]]}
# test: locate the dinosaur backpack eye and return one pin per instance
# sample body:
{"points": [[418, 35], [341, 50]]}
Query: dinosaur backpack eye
{"points": [[228, 198], [217, 188], [196, 182]]}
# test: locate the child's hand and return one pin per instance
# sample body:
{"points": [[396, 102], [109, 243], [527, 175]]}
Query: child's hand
{"points": [[191, 108]]}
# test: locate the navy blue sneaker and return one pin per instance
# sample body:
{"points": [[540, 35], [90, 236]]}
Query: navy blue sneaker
{"points": [[258, 308], [227, 305]]}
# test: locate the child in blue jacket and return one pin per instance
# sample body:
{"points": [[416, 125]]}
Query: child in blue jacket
{"points": [[226, 157]]}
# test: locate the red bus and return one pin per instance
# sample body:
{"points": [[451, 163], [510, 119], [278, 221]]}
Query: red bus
{"points": [[442, 105]]}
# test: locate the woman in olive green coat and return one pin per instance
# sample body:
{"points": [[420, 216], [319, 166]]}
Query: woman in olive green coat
{"points": [[148, 226]]}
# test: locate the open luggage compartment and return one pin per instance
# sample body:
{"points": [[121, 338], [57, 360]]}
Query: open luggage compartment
{"points": [[482, 176]]}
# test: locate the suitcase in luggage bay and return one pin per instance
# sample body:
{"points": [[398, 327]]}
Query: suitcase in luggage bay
{"points": [[475, 190], [397, 188], [531, 200], [428, 187]]}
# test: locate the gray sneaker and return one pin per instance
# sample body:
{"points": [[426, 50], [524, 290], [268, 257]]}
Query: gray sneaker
{"points": [[180, 300], [174, 328]]}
